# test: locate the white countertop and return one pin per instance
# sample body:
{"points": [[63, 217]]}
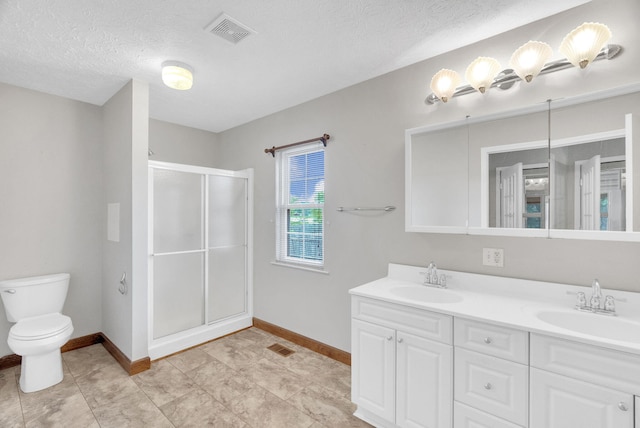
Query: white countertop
{"points": [[511, 302]]}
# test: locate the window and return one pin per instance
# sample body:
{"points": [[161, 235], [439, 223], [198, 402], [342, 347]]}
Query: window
{"points": [[300, 206]]}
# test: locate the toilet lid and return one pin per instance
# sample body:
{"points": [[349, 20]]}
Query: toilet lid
{"points": [[39, 327]]}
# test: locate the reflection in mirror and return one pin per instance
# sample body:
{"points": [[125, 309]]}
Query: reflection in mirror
{"points": [[509, 156], [437, 188], [518, 188], [589, 183], [562, 169]]}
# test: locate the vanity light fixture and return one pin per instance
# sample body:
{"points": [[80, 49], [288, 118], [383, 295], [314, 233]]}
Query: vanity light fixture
{"points": [[444, 84], [177, 75], [583, 45], [528, 59], [481, 72]]}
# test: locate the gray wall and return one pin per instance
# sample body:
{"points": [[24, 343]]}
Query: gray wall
{"points": [[117, 256], [51, 211], [180, 144], [365, 167], [126, 134]]}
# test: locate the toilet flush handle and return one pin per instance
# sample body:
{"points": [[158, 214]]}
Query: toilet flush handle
{"points": [[10, 291]]}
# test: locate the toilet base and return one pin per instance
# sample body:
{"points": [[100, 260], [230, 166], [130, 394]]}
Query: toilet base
{"points": [[41, 371]]}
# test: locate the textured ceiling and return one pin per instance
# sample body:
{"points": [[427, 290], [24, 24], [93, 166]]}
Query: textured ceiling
{"points": [[303, 49]]}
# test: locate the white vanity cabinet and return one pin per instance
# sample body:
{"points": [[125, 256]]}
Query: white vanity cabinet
{"points": [[491, 375], [401, 365], [485, 354], [575, 384]]}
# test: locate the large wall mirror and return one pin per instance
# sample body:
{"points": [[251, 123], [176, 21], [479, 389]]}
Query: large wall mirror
{"points": [[560, 169]]}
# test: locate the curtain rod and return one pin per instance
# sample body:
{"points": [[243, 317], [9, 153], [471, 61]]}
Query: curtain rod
{"points": [[323, 139]]}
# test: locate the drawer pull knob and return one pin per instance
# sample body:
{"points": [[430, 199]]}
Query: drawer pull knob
{"points": [[400, 340], [487, 340], [390, 337], [487, 386], [622, 406]]}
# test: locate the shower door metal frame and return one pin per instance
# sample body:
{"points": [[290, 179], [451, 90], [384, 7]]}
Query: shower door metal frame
{"points": [[208, 330]]}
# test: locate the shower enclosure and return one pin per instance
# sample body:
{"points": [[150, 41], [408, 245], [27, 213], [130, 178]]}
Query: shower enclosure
{"points": [[200, 255]]}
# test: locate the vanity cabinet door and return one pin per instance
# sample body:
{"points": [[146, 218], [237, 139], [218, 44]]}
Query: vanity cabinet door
{"points": [[424, 382], [559, 402], [373, 368]]}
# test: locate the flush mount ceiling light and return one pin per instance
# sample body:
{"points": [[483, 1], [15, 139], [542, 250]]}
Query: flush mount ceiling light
{"points": [[481, 72], [444, 83], [177, 75], [528, 59], [585, 44]]}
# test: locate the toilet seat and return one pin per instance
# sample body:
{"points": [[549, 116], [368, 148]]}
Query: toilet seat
{"points": [[40, 327]]}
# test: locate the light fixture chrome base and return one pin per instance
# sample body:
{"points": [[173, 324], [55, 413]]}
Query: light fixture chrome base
{"points": [[507, 78]]}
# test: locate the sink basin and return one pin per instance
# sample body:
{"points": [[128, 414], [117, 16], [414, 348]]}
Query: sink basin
{"points": [[606, 327], [426, 294]]}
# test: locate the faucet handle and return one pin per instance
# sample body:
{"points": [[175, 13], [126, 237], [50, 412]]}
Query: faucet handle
{"points": [[427, 276], [609, 304], [581, 300], [443, 281]]}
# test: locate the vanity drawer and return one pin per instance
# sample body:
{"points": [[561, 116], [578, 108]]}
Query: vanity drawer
{"points": [[606, 367], [503, 342], [430, 325], [492, 384], [468, 417]]}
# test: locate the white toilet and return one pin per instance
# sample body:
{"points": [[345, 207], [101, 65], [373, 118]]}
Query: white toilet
{"points": [[34, 304]]}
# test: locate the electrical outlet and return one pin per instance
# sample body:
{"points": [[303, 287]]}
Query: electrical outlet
{"points": [[493, 257]]}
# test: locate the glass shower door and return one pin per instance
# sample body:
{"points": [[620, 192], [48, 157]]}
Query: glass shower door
{"points": [[178, 251], [200, 259], [227, 247]]}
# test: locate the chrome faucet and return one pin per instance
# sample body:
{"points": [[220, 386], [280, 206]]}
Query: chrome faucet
{"points": [[431, 277], [595, 301]]}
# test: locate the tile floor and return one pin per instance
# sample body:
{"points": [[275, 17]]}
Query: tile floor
{"points": [[231, 382]]}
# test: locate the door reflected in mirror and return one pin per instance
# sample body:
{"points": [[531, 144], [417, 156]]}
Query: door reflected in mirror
{"points": [[588, 183], [518, 187]]}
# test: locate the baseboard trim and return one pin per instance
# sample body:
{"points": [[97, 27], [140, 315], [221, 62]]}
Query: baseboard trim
{"points": [[81, 342], [130, 367], [298, 339], [9, 361]]}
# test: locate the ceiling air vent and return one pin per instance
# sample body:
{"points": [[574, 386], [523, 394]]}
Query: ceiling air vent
{"points": [[229, 29]]}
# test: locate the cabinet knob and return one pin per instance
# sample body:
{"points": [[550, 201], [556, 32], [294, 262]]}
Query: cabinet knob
{"points": [[622, 406], [400, 340], [389, 337], [488, 386], [487, 340]]}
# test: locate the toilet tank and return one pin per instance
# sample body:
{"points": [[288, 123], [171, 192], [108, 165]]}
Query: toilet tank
{"points": [[36, 295]]}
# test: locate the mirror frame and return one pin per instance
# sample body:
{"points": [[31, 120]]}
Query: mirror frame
{"points": [[630, 235]]}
